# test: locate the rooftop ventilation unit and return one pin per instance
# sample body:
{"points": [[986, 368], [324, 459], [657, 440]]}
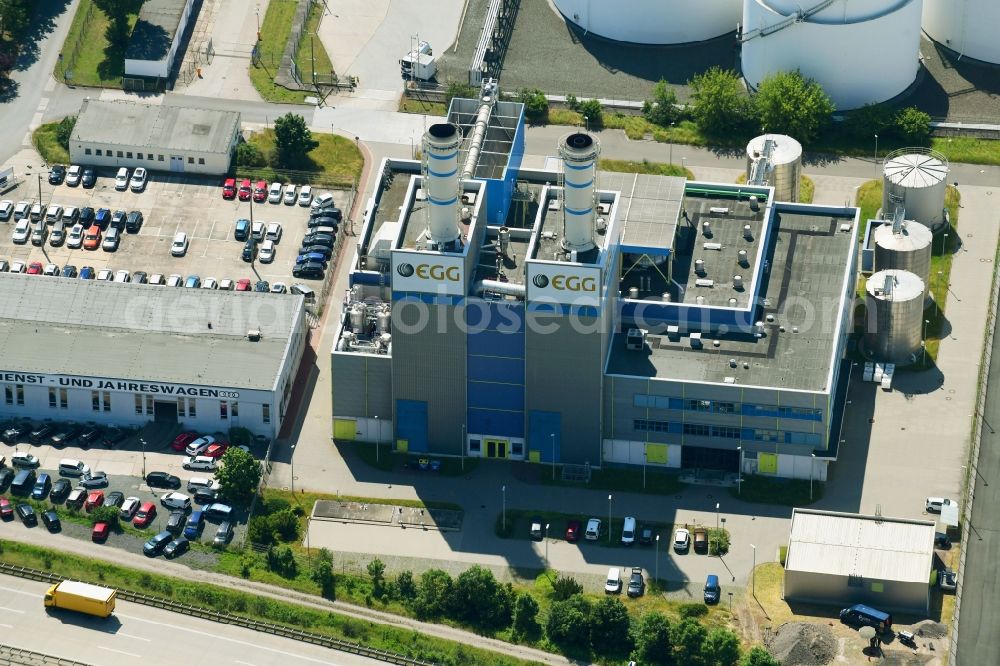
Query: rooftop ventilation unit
{"points": [[253, 335], [635, 339]]}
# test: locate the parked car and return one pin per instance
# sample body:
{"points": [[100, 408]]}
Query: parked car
{"points": [[133, 222], [111, 239], [156, 545], [273, 232], [57, 174], [573, 531], [6, 509], [210, 283], [73, 175], [95, 480], [43, 431], [24, 460], [58, 235], [92, 238], [121, 179], [215, 450], [118, 219], [197, 446], [243, 284], [6, 209], [26, 514], [947, 580], [180, 245], [102, 218], [262, 287], [936, 504], [260, 191], [636, 583], [249, 250], [593, 531], [206, 496], [94, 499], [176, 548], [712, 591], [100, 532], [536, 529], [35, 268], [145, 515], [37, 212], [194, 524], [229, 188], [305, 195], [308, 271], [6, 476], [182, 440], [279, 288], [266, 253], [322, 201], [162, 480], [193, 282], [157, 280], [218, 511], [682, 540], [175, 280], [257, 230], [121, 277], [289, 196], [613, 583], [115, 499], [89, 178], [75, 238], [21, 210], [628, 531], [76, 498], [53, 213], [138, 181], [43, 484], [175, 522], [700, 535], [51, 520], [245, 191], [274, 193], [223, 535], [199, 463], [60, 490], [39, 233], [91, 433], [73, 467], [69, 271], [242, 230], [21, 232], [175, 500]]}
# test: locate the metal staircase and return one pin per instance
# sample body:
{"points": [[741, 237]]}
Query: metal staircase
{"points": [[791, 20]]}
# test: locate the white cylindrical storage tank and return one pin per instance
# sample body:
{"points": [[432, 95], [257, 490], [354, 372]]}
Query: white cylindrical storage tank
{"points": [[969, 28], [906, 249], [860, 51], [652, 21], [579, 152], [895, 303], [915, 178], [785, 168], [440, 147]]}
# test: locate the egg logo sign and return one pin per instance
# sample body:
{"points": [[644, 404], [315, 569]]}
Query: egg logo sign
{"points": [[565, 283], [405, 270], [541, 281]]}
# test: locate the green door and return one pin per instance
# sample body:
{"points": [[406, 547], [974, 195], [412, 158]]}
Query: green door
{"points": [[767, 463]]}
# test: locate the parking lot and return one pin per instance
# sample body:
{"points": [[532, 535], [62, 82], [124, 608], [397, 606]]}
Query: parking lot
{"points": [[169, 204]]}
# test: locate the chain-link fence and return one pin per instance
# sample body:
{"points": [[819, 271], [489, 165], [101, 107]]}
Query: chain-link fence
{"points": [[69, 56]]}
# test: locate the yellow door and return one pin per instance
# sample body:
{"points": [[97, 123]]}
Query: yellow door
{"points": [[402, 445], [767, 463], [534, 456], [496, 448], [344, 429], [657, 454]]}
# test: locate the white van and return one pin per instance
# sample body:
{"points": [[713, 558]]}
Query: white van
{"points": [[628, 531], [614, 582], [197, 482], [72, 467]]}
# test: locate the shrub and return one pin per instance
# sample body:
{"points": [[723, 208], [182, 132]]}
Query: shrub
{"points": [[869, 120], [260, 531], [322, 575], [406, 588], [480, 600], [718, 542], [564, 587], [64, 130], [525, 615], [238, 435], [105, 514], [758, 656], [285, 525], [249, 155], [720, 648], [569, 622], [459, 89], [434, 594], [662, 108], [376, 571], [792, 104], [913, 125], [692, 610], [652, 639], [281, 560], [686, 638], [536, 106], [609, 626], [591, 110], [720, 104], [572, 103]]}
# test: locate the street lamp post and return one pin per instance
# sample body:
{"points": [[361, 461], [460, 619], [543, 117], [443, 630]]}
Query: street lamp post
{"points": [[812, 465], [739, 473], [378, 439], [609, 518], [503, 505], [671, 143], [553, 438], [716, 516], [462, 452], [142, 443], [753, 571], [546, 545], [291, 464], [923, 342], [876, 156], [657, 567]]}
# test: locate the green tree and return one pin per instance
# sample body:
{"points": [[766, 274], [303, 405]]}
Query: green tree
{"points": [[871, 119], [789, 103], [64, 130], [652, 640], [14, 16], [564, 587], [758, 656], [376, 571], [285, 525], [536, 105], [281, 560], [117, 12], [105, 514], [259, 531], [609, 626], [480, 600], [239, 475], [721, 648], [434, 594], [592, 110], [461, 90], [913, 125], [720, 105], [322, 575], [572, 103], [662, 108], [406, 588], [525, 615], [687, 637], [292, 139], [569, 622]]}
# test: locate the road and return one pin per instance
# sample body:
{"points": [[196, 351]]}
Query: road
{"points": [[155, 636]]}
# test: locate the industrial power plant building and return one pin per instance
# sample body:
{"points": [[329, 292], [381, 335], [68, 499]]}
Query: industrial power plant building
{"points": [[577, 318]]}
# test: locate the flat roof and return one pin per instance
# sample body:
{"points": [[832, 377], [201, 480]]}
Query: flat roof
{"points": [[501, 127], [550, 228], [803, 290], [649, 207], [417, 221], [155, 126], [155, 29], [852, 544], [507, 266], [65, 326]]}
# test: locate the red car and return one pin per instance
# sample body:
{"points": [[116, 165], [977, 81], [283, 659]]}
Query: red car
{"points": [[145, 515], [243, 284], [35, 268], [94, 500], [260, 191], [229, 189], [572, 531], [215, 450], [6, 510], [100, 532], [245, 190], [182, 440]]}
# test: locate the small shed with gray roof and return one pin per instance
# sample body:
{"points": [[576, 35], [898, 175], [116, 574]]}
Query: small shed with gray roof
{"points": [[158, 137], [850, 558], [156, 38]]}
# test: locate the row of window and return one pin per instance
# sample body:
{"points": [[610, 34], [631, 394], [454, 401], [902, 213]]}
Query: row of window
{"points": [[728, 432], [127, 154], [646, 401], [144, 404]]}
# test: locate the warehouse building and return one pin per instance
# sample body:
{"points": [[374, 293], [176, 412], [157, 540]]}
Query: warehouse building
{"points": [[603, 318], [849, 558], [156, 39], [128, 354], [157, 137]]}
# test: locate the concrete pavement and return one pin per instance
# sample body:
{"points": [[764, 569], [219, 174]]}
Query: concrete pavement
{"points": [[233, 31]]}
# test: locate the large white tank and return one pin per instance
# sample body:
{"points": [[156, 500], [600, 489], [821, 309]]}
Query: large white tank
{"points": [[895, 303], [579, 152], [915, 178], [905, 247], [783, 167], [652, 21], [860, 51], [440, 148], [968, 27]]}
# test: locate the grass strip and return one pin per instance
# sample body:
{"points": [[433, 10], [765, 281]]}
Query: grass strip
{"points": [[48, 146], [335, 161]]}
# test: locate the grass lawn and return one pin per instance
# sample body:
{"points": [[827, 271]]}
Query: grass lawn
{"points": [[274, 31], [335, 161], [310, 48], [786, 492], [625, 480], [98, 63], [646, 167], [411, 105], [48, 146]]}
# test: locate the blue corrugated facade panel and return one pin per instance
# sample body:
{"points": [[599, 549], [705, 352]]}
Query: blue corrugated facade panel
{"points": [[541, 428], [496, 423], [491, 395], [495, 368], [411, 424]]}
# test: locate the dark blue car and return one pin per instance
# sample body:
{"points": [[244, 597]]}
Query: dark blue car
{"points": [[87, 273], [242, 229], [194, 524], [311, 257], [102, 218]]}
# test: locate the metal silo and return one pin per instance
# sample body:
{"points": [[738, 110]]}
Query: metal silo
{"points": [[916, 179], [895, 303], [968, 28], [653, 21], [904, 246], [775, 160]]}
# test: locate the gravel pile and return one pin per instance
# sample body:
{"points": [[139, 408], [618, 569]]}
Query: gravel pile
{"points": [[803, 644], [930, 629]]}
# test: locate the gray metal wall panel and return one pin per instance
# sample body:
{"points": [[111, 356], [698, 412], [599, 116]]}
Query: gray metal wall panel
{"points": [[429, 364], [362, 385], [564, 371], [810, 587]]}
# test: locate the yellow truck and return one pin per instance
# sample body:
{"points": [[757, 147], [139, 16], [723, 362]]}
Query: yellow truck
{"points": [[81, 597]]}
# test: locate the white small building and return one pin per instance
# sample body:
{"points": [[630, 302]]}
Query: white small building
{"points": [[157, 37], [128, 354], [158, 137], [849, 558]]}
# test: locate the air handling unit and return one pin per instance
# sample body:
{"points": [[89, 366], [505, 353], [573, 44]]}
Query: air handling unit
{"points": [[775, 160], [916, 179], [579, 152], [440, 167]]}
